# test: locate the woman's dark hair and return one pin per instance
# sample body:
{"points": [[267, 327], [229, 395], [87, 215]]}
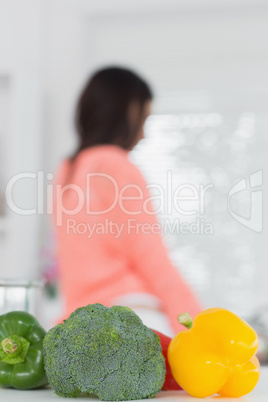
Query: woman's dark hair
{"points": [[102, 113]]}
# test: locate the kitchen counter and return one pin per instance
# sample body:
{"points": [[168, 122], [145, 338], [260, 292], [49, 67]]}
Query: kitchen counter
{"points": [[259, 394]]}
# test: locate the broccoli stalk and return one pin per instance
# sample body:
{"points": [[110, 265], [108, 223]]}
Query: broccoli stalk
{"points": [[106, 352]]}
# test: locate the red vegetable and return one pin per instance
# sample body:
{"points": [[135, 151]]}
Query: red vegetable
{"points": [[170, 383]]}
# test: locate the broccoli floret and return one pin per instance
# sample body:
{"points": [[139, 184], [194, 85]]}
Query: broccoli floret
{"points": [[106, 352]]}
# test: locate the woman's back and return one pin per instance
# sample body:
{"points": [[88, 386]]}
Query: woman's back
{"points": [[94, 265]]}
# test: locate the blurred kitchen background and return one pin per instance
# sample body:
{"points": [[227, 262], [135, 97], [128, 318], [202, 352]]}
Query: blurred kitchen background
{"points": [[207, 63]]}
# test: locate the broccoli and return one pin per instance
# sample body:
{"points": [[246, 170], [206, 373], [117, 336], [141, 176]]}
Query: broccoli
{"points": [[106, 352]]}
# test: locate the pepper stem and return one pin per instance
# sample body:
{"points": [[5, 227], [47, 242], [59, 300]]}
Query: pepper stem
{"points": [[185, 319], [14, 349], [9, 346]]}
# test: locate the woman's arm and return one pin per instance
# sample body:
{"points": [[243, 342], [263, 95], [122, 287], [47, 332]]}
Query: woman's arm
{"points": [[147, 253]]}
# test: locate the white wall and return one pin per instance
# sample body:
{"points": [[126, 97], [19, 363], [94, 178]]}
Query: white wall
{"points": [[21, 28], [186, 50], [65, 71]]}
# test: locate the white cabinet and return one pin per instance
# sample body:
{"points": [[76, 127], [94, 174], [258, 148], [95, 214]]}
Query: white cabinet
{"points": [[4, 136], [20, 140], [21, 75]]}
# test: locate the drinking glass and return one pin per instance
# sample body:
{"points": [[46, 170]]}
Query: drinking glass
{"points": [[20, 294]]}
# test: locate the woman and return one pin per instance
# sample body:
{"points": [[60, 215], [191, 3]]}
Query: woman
{"points": [[110, 248]]}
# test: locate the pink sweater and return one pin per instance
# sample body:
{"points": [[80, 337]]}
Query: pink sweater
{"points": [[117, 251]]}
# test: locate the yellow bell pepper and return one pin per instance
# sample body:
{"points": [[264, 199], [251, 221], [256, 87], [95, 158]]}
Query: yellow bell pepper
{"points": [[216, 354]]}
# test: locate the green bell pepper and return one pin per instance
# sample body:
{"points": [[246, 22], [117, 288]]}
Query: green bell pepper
{"points": [[21, 355]]}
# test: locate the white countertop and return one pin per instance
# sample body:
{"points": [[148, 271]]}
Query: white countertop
{"points": [[259, 394]]}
